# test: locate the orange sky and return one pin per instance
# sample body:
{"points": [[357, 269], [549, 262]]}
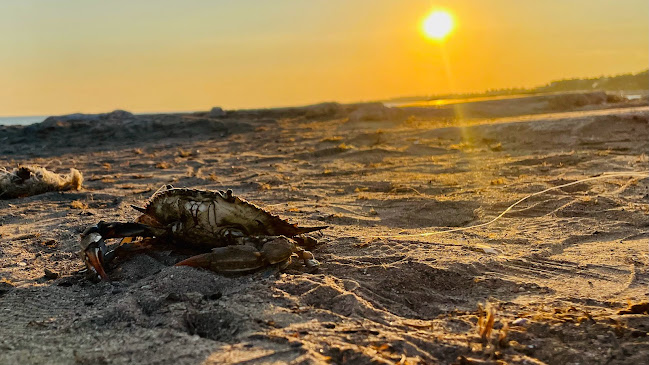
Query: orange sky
{"points": [[69, 56]]}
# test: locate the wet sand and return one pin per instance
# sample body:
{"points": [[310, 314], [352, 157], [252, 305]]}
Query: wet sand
{"points": [[556, 270]]}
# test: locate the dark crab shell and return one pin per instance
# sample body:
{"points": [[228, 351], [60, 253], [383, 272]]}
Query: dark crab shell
{"points": [[204, 216]]}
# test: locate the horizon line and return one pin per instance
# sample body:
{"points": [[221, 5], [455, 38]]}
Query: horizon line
{"points": [[430, 97]]}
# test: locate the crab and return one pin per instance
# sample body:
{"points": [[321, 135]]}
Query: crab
{"points": [[242, 237]]}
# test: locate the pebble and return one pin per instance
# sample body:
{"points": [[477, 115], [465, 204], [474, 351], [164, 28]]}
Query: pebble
{"points": [[51, 274], [520, 322], [65, 282], [214, 296], [174, 297], [5, 287]]}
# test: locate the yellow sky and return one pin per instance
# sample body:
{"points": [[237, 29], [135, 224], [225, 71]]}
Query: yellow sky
{"points": [[84, 56]]}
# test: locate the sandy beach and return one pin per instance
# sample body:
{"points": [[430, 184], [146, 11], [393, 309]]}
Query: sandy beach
{"points": [[555, 272]]}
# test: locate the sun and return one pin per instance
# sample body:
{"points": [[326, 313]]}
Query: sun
{"points": [[438, 24]]}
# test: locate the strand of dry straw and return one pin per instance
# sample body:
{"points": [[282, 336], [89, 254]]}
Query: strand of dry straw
{"points": [[604, 175]]}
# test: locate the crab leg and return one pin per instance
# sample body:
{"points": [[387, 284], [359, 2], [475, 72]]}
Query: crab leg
{"points": [[228, 259], [251, 254], [93, 245], [309, 261]]}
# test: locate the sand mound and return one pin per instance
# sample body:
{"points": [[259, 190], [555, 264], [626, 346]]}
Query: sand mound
{"points": [[374, 112], [571, 100]]}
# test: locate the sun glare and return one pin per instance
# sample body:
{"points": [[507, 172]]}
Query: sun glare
{"points": [[438, 25]]}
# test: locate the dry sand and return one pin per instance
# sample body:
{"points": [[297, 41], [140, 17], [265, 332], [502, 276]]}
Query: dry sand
{"points": [[556, 270]]}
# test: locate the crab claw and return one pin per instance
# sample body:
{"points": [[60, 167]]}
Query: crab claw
{"points": [[93, 249]]}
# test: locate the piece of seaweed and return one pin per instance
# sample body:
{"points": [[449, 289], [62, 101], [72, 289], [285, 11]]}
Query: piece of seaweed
{"points": [[30, 180]]}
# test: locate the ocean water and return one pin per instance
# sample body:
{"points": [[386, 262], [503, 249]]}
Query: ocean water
{"points": [[21, 120]]}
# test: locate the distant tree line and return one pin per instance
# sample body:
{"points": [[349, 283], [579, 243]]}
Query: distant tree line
{"points": [[639, 81], [629, 81]]}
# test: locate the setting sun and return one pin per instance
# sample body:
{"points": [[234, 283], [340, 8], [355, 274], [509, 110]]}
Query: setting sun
{"points": [[438, 24]]}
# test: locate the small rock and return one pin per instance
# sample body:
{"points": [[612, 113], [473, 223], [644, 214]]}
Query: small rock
{"points": [[51, 274], [486, 249], [639, 308], [174, 297], [5, 286], [65, 282], [520, 322], [49, 243], [194, 297], [214, 296]]}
